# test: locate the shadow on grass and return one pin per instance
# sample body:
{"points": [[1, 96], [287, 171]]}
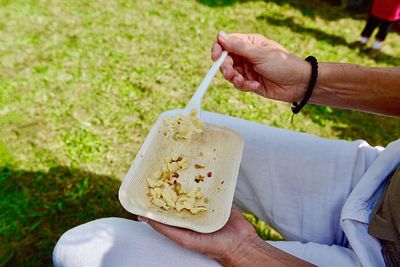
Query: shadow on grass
{"points": [[219, 3], [322, 36], [295, 27], [352, 125], [312, 8], [38, 207], [384, 58], [318, 8]]}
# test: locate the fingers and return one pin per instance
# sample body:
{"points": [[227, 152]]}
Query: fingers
{"points": [[227, 68], [249, 72], [245, 85], [240, 76], [238, 44], [216, 51], [240, 47]]}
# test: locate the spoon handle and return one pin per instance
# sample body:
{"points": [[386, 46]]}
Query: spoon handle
{"points": [[195, 101]]}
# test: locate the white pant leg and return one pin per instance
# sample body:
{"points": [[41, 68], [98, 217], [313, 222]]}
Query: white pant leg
{"points": [[118, 242], [121, 242], [318, 254], [296, 182]]}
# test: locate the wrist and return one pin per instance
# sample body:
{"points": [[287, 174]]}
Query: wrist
{"points": [[297, 106], [322, 92], [256, 252], [305, 75], [243, 253]]}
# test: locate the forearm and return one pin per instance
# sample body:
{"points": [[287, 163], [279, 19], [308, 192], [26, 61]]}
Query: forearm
{"points": [[375, 90], [259, 253]]}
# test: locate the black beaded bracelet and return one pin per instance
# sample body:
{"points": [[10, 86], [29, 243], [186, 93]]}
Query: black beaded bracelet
{"points": [[296, 107]]}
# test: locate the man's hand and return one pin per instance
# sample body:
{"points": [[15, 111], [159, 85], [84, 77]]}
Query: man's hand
{"points": [[235, 244], [257, 64], [222, 245]]}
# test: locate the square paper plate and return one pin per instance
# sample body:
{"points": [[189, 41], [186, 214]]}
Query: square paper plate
{"points": [[219, 149]]}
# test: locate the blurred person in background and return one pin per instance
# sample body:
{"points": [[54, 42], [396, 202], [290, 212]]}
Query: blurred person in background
{"points": [[383, 14]]}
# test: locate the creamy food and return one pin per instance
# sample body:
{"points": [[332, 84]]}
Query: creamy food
{"points": [[165, 189], [182, 128], [166, 192]]}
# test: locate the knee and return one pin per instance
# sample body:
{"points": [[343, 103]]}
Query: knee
{"points": [[81, 245]]}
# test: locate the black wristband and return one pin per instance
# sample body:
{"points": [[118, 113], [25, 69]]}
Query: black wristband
{"points": [[296, 107]]}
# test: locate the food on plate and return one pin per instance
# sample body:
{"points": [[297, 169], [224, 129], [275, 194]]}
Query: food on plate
{"points": [[166, 192], [198, 166], [181, 128], [199, 178]]}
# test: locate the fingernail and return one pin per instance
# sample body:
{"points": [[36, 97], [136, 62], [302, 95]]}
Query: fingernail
{"points": [[254, 86], [235, 79], [223, 70], [223, 35], [143, 219]]}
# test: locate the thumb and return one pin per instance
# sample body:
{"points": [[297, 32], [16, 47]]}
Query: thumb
{"points": [[236, 43]]}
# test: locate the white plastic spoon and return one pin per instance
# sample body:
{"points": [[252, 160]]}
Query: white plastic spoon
{"points": [[195, 101]]}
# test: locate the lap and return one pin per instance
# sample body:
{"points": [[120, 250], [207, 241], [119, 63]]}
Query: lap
{"points": [[296, 182], [122, 242], [293, 180]]}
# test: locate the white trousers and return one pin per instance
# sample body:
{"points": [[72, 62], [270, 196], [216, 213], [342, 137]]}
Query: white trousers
{"points": [[317, 192]]}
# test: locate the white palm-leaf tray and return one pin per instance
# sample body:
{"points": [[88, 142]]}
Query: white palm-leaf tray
{"points": [[218, 149]]}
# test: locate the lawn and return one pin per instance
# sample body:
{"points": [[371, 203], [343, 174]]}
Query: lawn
{"points": [[81, 83]]}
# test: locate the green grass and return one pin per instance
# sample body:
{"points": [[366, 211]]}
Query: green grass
{"points": [[81, 83]]}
